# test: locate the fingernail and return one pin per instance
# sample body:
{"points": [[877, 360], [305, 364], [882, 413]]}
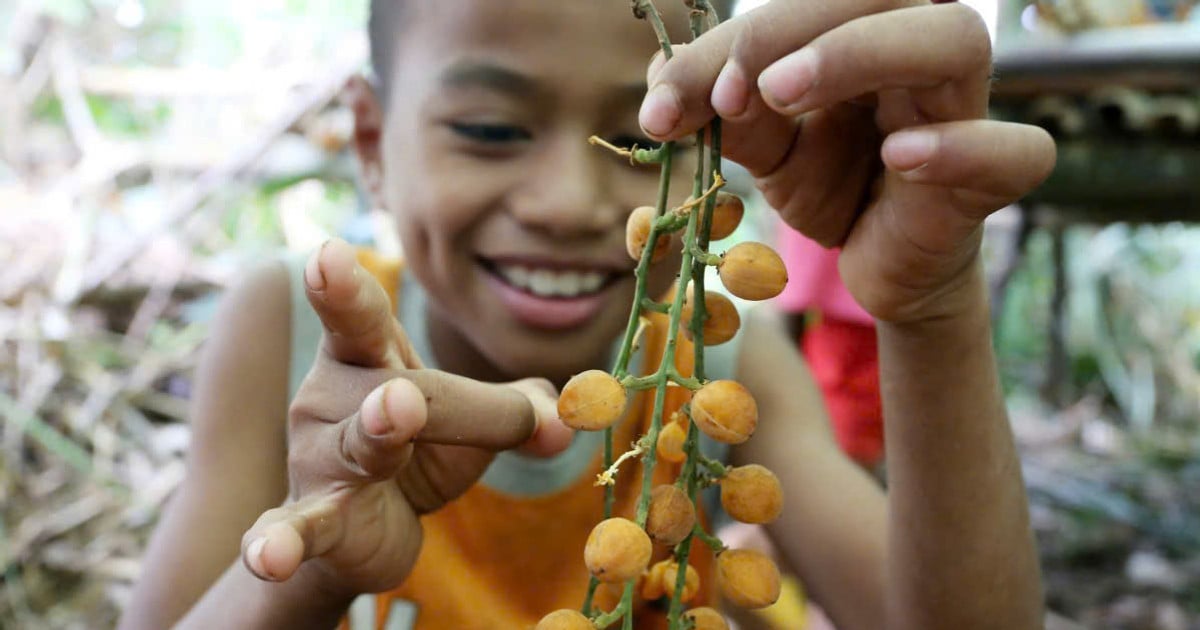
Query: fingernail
{"points": [[374, 412], [729, 95], [254, 555], [660, 111], [312, 270], [786, 81], [907, 151]]}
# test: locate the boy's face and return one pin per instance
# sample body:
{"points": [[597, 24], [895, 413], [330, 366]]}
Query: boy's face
{"points": [[512, 222]]}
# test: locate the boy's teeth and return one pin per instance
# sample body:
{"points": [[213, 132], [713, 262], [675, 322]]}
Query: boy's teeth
{"points": [[591, 281], [516, 275], [548, 283], [541, 282]]}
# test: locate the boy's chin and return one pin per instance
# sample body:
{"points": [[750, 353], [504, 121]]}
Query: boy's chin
{"points": [[556, 355]]}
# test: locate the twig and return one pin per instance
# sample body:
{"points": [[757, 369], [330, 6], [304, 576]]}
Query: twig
{"points": [[65, 73], [324, 91], [23, 421], [717, 184], [609, 476]]}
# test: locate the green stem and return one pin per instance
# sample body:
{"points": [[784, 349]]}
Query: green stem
{"points": [[647, 8], [689, 382], [704, 258], [664, 369], [699, 315], [655, 307], [692, 266], [670, 222], [649, 156], [664, 190], [609, 499], [712, 541], [691, 447], [715, 467]]}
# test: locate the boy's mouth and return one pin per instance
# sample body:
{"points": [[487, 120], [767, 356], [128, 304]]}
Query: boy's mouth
{"points": [[549, 295]]}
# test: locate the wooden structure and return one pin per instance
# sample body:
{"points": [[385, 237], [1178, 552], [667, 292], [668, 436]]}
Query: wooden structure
{"points": [[1124, 107]]}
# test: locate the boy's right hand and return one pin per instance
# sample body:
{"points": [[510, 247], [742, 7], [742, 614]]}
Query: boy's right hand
{"points": [[374, 441]]}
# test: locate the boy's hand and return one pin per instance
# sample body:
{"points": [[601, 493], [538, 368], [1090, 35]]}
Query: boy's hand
{"points": [[375, 440], [863, 122]]}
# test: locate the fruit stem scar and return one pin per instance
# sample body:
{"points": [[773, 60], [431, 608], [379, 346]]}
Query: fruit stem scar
{"points": [[637, 156], [699, 198], [609, 476]]}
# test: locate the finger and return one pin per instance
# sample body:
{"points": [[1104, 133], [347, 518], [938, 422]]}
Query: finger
{"points": [[551, 436], [919, 47], [457, 410], [467, 412], [819, 187], [374, 443], [759, 139], [284, 537], [989, 164], [360, 328], [679, 100]]}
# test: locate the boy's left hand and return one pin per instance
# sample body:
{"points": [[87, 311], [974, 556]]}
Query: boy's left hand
{"points": [[864, 125]]}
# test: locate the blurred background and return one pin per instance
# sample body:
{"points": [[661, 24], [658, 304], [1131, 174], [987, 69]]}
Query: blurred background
{"points": [[151, 149]]}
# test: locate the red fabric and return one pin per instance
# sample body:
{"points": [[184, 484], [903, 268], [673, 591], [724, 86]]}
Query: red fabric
{"points": [[844, 361]]}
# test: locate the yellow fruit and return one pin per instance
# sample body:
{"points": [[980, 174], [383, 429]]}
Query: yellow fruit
{"points": [[691, 583], [723, 320], [747, 578], [725, 411], [751, 494], [592, 400], [651, 587], [637, 232], [752, 271], [565, 619], [706, 618], [608, 596], [670, 443], [617, 550], [671, 516], [727, 214]]}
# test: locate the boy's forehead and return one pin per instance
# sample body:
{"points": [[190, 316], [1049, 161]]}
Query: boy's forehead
{"points": [[496, 77], [593, 35]]}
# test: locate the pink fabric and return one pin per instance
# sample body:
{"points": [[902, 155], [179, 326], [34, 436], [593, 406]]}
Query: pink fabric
{"points": [[813, 280]]}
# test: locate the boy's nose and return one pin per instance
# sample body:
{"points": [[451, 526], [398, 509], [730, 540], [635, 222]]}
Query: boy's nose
{"points": [[567, 190]]}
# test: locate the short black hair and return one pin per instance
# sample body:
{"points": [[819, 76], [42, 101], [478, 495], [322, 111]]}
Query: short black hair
{"points": [[385, 16]]}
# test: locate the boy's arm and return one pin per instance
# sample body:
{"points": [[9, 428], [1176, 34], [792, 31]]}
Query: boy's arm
{"points": [[961, 549], [241, 600], [237, 457], [951, 544], [832, 531]]}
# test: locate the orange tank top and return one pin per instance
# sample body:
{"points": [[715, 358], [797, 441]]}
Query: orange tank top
{"points": [[492, 560]]}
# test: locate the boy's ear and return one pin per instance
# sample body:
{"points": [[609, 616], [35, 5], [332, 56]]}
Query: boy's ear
{"points": [[360, 96]]}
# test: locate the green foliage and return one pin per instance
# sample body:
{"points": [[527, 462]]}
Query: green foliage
{"points": [[1131, 318]]}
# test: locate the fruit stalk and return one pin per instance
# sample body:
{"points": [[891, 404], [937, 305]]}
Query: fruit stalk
{"points": [[621, 368], [619, 549]]}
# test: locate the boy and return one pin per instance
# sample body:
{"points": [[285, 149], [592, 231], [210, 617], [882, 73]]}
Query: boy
{"points": [[862, 123]]}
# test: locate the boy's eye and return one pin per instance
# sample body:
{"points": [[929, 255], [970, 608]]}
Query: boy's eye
{"points": [[491, 133]]}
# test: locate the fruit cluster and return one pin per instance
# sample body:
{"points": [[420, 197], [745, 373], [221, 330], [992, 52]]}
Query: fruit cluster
{"points": [[619, 550]]}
